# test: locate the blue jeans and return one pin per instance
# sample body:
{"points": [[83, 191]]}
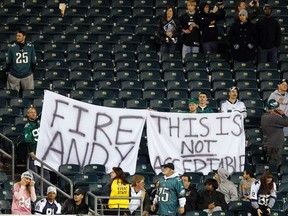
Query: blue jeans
{"points": [[189, 49], [267, 55]]}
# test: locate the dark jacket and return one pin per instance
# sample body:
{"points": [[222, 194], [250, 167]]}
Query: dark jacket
{"points": [[243, 34], [191, 195], [165, 26], [207, 197], [192, 39], [269, 32], [207, 23], [69, 207]]}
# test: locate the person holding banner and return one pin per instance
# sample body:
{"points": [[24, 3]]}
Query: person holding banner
{"points": [[118, 187], [170, 195], [272, 123], [203, 104], [233, 104], [31, 133], [193, 105]]}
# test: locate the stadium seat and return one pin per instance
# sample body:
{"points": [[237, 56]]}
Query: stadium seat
{"points": [[117, 103], [107, 84], [268, 85], [83, 180], [85, 84], [137, 104], [243, 66], [171, 57], [172, 75], [153, 94], [6, 194], [98, 169], [99, 75], [96, 188], [197, 75], [222, 213], [236, 177], [124, 55], [267, 75], [153, 84], [196, 66], [105, 94], [149, 65], [247, 85], [131, 85], [129, 75], [8, 94], [199, 85], [254, 103], [5, 207], [277, 212], [130, 94], [222, 84], [19, 102], [56, 74], [176, 85], [217, 75], [12, 131], [177, 94], [215, 66], [149, 75], [196, 213], [248, 94], [161, 105]]}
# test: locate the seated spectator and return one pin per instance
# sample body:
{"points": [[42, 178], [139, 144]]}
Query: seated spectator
{"points": [[269, 35], [211, 200], [225, 186], [263, 195], [233, 104], [23, 194], [245, 185], [191, 194], [208, 18], [48, 205], [138, 190], [242, 38], [118, 187], [203, 104], [76, 205], [168, 31], [193, 105]]}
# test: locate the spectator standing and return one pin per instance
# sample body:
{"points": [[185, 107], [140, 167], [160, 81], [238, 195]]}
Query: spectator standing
{"points": [[48, 205], [245, 185], [23, 194], [203, 104], [138, 190], [76, 205], [269, 35], [170, 195], [225, 186], [242, 38], [191, 194], [168, 31], [263, 195], [281, 96], [190, 29], [118, 187], [211, 200], [253, 9], [21, 62], [193, 105], [152, 193], [207, 20], [272, 123], [31, 133], [233, 104]]}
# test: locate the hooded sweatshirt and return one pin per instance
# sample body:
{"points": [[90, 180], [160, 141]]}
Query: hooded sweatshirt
{"points": [[227, 187], [207, 23]]}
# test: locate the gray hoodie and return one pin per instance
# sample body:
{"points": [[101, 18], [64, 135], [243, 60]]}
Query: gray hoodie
{"points": [[227, 187]]}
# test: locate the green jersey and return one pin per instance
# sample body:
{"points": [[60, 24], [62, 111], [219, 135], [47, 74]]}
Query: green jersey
{"points": [[170, 189], [205, 110], [21, 58], [31, 133]]}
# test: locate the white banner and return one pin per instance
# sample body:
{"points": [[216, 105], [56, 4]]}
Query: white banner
{"points": [[79, 133], [196, 142]]}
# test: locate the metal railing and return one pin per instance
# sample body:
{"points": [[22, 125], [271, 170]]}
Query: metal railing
{"points": [[42, 179], [98, 203], [12, 156]]}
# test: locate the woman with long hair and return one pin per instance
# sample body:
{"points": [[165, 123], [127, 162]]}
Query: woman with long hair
{"points": [[263, 194], [117, 187]]}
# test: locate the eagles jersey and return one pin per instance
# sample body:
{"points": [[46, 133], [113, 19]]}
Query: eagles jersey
{"points": [[170, 189], [47, 208], [21, 58], [31, 133], [262, 199], [238, 106]]}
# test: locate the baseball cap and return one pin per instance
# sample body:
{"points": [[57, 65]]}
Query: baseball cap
{"points": [[266, 5], [79, 191], [27, 174], [168, 165], [51, 189], [244, 12], [282, 80], [193, 101]]}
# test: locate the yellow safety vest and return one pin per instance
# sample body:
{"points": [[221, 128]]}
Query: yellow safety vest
{"points": [[119, 189]]}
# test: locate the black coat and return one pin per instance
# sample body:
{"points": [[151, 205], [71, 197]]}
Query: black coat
{"points": [[69, 207], [243, 34], [207, 197]]}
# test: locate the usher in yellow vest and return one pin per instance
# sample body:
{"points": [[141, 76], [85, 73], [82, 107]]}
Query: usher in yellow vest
{"points": [[119, 189]]}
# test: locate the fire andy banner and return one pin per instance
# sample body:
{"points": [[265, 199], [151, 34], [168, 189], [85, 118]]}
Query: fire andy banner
{"points": [[74, 132]]}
